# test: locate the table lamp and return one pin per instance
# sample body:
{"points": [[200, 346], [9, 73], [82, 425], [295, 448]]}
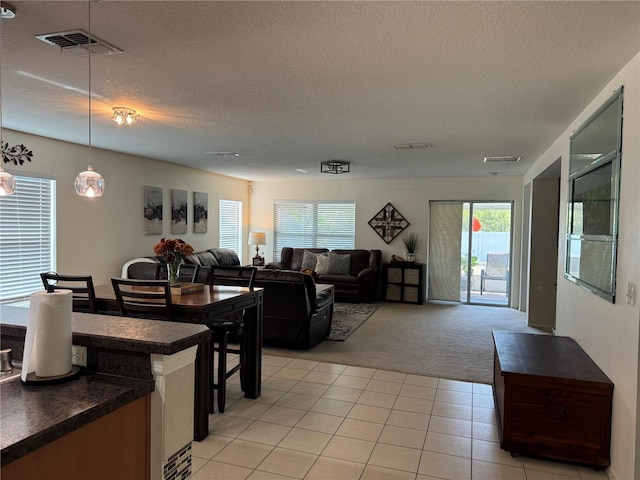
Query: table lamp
{"points": [[257, 239]]}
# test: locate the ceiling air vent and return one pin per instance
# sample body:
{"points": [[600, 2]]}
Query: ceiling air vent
{"points": [[507, 159], [77, 42]]}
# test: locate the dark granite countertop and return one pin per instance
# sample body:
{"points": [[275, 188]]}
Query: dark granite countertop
{"points": [[33, 416], [116, 333]]}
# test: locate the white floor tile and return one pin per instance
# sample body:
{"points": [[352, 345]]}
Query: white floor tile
{"points": [[325, 421]]}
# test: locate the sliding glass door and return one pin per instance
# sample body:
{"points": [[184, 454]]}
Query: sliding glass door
{"points": [[470, 252]]}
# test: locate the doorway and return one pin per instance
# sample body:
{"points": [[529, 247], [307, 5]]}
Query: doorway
{"points": [[470, 252]]}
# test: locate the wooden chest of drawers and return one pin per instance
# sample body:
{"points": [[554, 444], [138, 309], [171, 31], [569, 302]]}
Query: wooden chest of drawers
{"points": [[553, 401]]}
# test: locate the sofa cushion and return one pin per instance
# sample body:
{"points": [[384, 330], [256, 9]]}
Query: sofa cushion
{"points": [[322, 263], [339, 264], [309, 261], [204, 259], [225, 256]]}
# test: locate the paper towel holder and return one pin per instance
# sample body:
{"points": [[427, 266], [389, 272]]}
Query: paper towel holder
{"points": [[33, 379]]}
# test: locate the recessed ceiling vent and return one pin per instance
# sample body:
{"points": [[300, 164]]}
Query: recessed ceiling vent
{"points": [[77, 42], [507, 159], [413, 146]]}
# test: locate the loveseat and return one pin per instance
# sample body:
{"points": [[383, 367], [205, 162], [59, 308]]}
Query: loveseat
{"points": [[353, 273]]}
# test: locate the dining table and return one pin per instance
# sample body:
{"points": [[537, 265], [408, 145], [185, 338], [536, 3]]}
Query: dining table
{"points": [[212, 301]]}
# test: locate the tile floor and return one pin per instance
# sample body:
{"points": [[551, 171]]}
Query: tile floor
{"points": [[331, 422]]}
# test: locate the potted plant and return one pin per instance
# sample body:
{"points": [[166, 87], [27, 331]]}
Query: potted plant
{"points": [[411, 242]]}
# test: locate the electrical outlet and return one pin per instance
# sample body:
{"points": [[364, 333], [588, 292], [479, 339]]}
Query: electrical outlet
{"points": [[631, 294], [79, 355]]}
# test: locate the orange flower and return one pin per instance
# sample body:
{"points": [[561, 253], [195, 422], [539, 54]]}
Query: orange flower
{"points": [[172, 249]]}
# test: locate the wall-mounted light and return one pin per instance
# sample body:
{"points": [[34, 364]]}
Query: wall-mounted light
{"points": [[125, 116], [335, 166], [89, 183]]}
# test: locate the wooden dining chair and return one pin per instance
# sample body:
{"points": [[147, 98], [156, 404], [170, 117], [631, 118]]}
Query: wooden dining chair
{"points": [[143, 298], [188, 272], [223, 328], [84, 296]]}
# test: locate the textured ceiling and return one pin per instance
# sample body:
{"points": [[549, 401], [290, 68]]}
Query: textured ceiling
{"points": [[290, 84]]}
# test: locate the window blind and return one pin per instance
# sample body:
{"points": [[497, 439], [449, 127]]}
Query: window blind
{"points": [[329, 225], [231, 226], [27, 237]]}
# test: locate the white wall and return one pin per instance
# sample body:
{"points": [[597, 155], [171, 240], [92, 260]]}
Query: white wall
{"points": [[98, 235], [609, 333], [410, 197]]}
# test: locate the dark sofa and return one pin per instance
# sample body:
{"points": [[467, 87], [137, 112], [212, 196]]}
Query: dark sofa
{"points": [[357, 283], [295, 315], [145, 267]]}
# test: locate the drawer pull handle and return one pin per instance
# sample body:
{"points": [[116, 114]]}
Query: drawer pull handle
{"points": [[556, 410]]}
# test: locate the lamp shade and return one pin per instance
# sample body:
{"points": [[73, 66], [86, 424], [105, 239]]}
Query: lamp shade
{"points": [[257, 238], [7, 183]]}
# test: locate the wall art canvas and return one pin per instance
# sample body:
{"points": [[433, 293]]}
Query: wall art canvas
{"points": [[152, 210], [178, 211], [200, 212], [388, 223]]}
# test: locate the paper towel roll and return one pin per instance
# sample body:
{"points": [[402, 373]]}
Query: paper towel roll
{"points": [[47, 349]]}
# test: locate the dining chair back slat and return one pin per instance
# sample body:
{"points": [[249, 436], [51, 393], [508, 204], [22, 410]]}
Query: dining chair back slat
{"points": [[143, 298], [81, 286], [232, 276]]}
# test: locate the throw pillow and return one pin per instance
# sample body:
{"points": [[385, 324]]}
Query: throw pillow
{"points": [[322, 265], [339, 264], [308, 261]]}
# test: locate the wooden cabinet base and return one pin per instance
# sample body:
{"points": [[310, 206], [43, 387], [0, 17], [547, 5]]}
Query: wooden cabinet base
{"points": [[552, 399], [116, 446]]}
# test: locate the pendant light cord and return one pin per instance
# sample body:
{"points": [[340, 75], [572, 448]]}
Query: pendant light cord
{"points": [[89, 46]]}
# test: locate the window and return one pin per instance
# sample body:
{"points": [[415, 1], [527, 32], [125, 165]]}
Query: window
{"points": [[329, 225], [231, 226], [27, 237]]}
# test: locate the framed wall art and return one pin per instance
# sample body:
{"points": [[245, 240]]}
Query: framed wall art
{"points": [[152, 210], [178, 211], [200, 212], [388, 223]]}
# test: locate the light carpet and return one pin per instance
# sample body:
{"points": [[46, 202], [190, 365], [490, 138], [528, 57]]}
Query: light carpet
{"points": [[445, 341], [347, 317]]}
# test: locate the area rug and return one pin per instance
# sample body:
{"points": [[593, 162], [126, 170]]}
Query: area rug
{"points": [[347, 317]]}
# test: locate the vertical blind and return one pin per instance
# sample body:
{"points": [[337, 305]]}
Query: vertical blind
{"points": [[329, 225], [445, 232], [230, 235], [27, 237]]}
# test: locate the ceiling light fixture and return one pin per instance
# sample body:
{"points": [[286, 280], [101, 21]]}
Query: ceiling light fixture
{"points": [[335, 166], [89, 183], [125, 116]]}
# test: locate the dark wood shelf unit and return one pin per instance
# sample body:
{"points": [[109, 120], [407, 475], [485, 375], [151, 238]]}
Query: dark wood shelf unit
{"points": [[403, 282], [552, 400]]}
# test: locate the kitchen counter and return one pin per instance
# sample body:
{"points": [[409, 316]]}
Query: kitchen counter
{"points": [[34, 416], [124, 357]]}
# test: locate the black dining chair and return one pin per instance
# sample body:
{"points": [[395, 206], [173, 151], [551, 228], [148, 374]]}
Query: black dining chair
{"points": [[188, 272], [84, 296], [143, 298], [223, 328]]}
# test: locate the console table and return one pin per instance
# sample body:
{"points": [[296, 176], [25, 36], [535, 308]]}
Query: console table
{"points": [[552, 400]]}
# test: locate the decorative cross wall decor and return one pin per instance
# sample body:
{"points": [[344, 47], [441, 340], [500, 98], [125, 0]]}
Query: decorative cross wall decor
{"points": [[388, 223]]}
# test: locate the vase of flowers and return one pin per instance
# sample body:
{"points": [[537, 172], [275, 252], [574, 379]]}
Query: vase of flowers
{"points": [[173, 250]]}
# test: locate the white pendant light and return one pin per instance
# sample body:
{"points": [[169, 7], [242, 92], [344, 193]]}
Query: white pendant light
{"points": [[7, 182], [89, 183]]}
